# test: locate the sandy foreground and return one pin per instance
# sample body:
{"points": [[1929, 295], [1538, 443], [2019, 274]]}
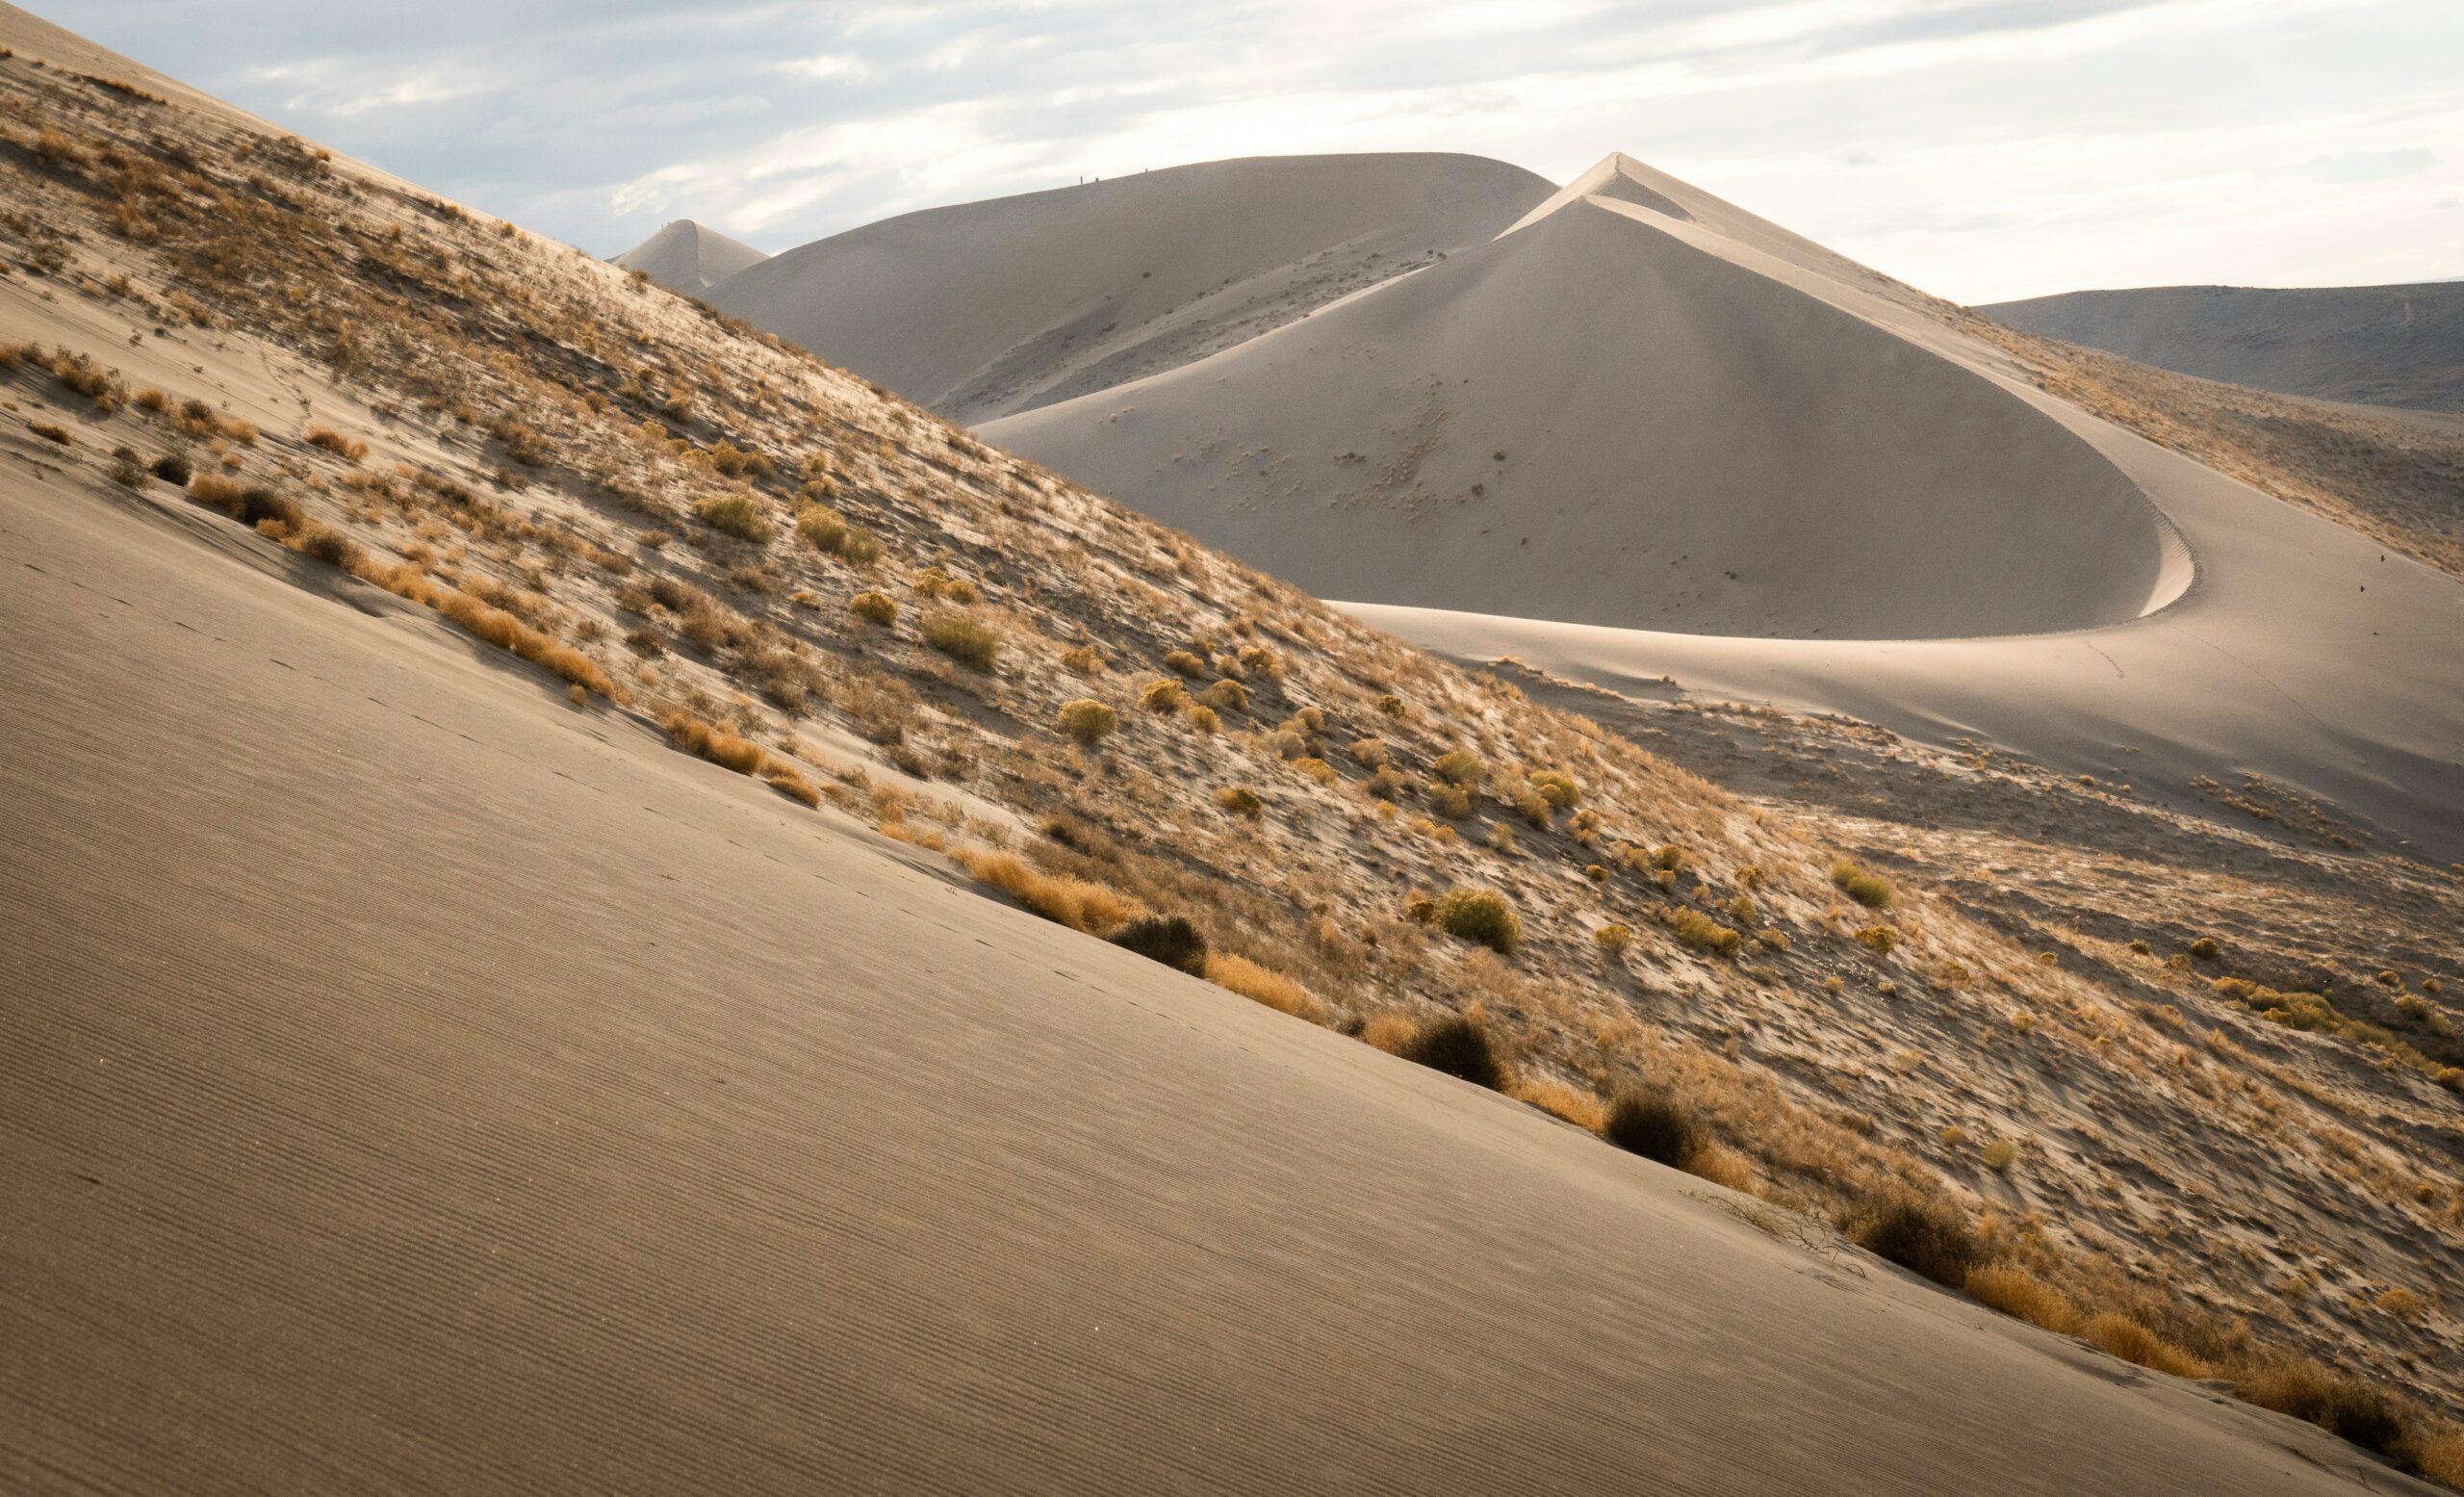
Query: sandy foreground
{"points": [[415, 1083]]}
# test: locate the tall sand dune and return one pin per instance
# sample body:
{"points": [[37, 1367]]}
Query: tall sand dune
{"points": [[2401, 346], [986, 308], [687, 257], [1599, 419]]}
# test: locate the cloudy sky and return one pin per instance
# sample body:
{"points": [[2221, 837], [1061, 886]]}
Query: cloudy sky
{"points": [[1980, 148]]}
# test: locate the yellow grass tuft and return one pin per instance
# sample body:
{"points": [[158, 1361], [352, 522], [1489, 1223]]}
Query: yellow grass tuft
{"points": [[1263, 985]]}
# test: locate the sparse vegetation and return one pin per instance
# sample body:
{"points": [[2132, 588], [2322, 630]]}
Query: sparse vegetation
{"points": [[1480, 915], [1086, 721]]}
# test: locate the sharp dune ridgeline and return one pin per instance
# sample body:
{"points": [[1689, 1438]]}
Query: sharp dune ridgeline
{"points": [[592, 902], [687, 257]]}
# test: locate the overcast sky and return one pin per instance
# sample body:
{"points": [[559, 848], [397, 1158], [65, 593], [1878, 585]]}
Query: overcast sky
{"points": [[1982, 149]]}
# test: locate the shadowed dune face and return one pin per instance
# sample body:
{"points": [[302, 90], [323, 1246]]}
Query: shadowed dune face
{"points": [[988, 308], [1595, 421], [687, 257]]}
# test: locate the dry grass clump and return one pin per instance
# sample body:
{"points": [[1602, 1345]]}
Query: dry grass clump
{"points": [[714, 743], [969, 641], [1700, 931], [736, 514], [1078, 903], [1480, 915], [1459, 1046], [490, 625], [2018, 1293], [877, 608], [250, 505], [1923, 1235], [1169, 940], [1870, 889], [1262, 984], [1654, 1127], [2119, 1335], [1241, 801], [1088, 721], [348, 447], [826, 531], [51, 432]]}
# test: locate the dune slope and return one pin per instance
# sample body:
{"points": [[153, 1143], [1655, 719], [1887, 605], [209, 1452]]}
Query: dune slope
{"points": [[1594, 420], [687, 257], [412, 1089], [986, 308], [2397, 346]]}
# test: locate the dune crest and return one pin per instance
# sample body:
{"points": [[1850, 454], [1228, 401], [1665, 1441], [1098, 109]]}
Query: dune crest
{"points": [[687, 257], [1614, 413]]}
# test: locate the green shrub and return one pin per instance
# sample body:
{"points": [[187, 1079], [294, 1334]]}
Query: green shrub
{"points": [[1480, 915]]}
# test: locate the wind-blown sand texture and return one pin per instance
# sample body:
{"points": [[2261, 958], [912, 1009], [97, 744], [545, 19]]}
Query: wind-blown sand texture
{"points": [[2371, 344], [988, 308], [424, 1077], [687, 257], [417, 1085]]}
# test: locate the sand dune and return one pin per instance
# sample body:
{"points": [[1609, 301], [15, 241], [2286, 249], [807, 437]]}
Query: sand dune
{"points": [[988, 308], [363, 1136], [1610, 415], [687, 257], [2401, 346]]}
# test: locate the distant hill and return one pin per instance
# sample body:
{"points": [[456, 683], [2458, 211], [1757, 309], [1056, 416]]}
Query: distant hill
{"points": [[987, 309], [2370, 345], [687, 257]]}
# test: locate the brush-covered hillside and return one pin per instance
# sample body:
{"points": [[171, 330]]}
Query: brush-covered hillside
{"points": [[526, 801]]}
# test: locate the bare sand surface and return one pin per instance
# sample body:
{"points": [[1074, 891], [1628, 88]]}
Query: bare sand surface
{"points": [[684, 256], [417, 1083], [986, 308], [2388, 345], [1595, 418]]}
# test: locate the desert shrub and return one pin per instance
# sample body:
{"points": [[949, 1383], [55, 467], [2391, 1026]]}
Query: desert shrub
{"points": [[1460, 768], [1089, 721], [969, 641], [935, 582], [1182, 664], [2018, 1293], [1074, 902], [714, 743], [52, 432], [1458, 1046], [820, 527], [1870, 889], [1748, 877], [1556, 787], [1226, 696], [173, 469], [2344, 1406], [1317, 770], [1654, 1127], [1451, 801], [246, 503], [327, 544], [1241, 801], [1612, 939], [1264, 985], [1700, 931], [348, 447], [128, 470], [1084, 659], [1261, 660], [1203, 719], [1369, 753], [874, 607], [736, 514], [783, 778], [1928, 1237], [1165, 696], [1878, 938], [1999, 1153], [2204, 949], [1170, 939], [2126, 1338], [1480, 915], [1391, 705], [1743, 909]]}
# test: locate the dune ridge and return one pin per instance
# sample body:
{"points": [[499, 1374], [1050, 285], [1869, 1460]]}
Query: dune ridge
{"points": [[685, 256], [983, 309]]}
